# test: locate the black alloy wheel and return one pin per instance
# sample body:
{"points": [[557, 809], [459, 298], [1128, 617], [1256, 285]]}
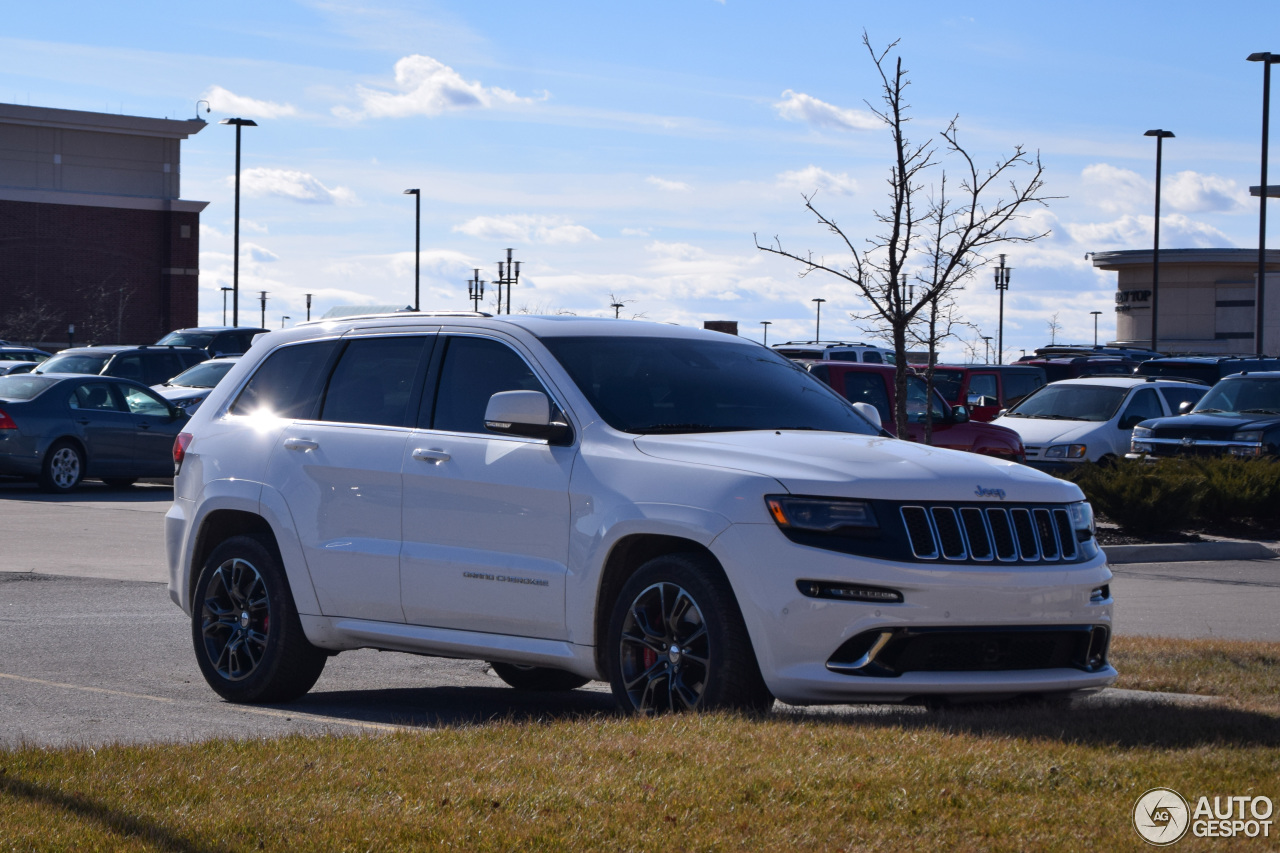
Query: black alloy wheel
{"points": [[248, 638], [677, 641]]}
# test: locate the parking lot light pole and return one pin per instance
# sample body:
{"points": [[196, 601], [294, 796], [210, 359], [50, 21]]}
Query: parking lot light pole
{"points": [[475, 291], [417, 243], [1095, 314], [616, 306], [817, 326], [235, 259], [987, 339], [283, 318], [1259, 301], [1161, 136], [308, 307], [225, 291], [262, 324], [766, 324], [1002, 284]]}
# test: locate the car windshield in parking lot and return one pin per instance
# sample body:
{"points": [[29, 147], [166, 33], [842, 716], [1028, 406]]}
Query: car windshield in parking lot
{"points": [[678, 385], [204, 375], [73, 364], [24, 386], [1248, 396], [186, 339], [1071, 403]]}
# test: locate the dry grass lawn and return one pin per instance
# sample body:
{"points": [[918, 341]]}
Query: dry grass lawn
{"points": [[1023, 777]]}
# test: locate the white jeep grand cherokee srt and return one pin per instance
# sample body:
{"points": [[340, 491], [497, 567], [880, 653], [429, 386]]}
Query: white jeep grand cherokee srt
{"points": [[685, 514]]}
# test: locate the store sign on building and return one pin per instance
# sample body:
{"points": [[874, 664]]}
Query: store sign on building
{"points": [[1125, 299]]}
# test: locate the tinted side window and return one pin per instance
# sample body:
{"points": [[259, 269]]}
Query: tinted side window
{"points": [[474, 370], [374, 381], [127, 366], [872, 357], [288, 382], [95, 396], [983, 385], [1019, 385], [1177, 396], [1145, 404], [868, 388]]}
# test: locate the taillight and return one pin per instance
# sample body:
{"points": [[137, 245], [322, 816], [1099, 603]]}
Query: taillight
{"points": [[6, 422], [180, 450]]}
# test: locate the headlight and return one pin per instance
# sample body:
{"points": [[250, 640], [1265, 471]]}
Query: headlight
{"points": [[190, 401], [1081, 520], [1248, 435], [1141, 432], [1065, 451], [821, 515]]}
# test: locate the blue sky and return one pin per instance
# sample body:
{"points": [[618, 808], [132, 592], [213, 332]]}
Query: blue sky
{"points": [[629, 151]]}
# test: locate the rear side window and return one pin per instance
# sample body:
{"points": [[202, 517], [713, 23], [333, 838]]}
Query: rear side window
{"points": [[128, 366], [868, 388], [846, 355], [375, 381], [288, 382], [983, 385], [1019, 385], [1175, 397], [872, 357], [474, 370]]}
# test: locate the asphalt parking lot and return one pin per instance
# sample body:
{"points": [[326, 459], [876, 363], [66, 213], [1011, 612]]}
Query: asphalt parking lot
{"points": [[92, 650]]}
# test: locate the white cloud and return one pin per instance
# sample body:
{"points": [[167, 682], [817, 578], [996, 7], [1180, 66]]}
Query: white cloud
{"points": [[1192, 192], [259, 254], [426, 87], [1116, 190], [669, 186], [812, 178], [526, 228], [288, 183], [635, 232], [241, 105], [1136, 232], [797, 106]]}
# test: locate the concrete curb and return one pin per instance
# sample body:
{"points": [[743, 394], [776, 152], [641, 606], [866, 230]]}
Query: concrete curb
{"points": [[1179, 552]]}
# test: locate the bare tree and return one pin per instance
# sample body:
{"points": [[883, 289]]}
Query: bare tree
{"points": [[29, 318], [942, 240], [1054, 328]]}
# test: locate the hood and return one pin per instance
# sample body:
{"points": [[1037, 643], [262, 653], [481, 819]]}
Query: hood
{"points": [[174, 393], [861, 466], [1039, 432], [1230, 421]]}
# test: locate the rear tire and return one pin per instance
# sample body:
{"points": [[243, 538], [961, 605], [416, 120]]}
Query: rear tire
{"points": [[537, 677], [677, 642], [247, 635], [63, 468]]}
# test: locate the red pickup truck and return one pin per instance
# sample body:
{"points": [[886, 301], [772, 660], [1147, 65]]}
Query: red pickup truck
{"points": [[952, 429]]}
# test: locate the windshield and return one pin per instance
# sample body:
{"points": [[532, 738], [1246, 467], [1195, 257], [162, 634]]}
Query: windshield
{"points": [[1071, 403], [13, 355], [204, 375], [678, 385], [1249, 396], [76, 363], [186, 339], [948, 382], [24, 387]]}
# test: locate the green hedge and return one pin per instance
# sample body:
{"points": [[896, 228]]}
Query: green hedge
{"points": [[1183, 493]]}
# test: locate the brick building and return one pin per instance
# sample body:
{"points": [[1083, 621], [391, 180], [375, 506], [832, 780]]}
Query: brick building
{"points": [[93, 232]]}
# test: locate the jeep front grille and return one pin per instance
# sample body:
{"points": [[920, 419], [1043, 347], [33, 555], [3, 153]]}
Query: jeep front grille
{"points": [[982, 534]]}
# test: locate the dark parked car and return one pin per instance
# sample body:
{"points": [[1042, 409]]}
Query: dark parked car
{"points": [[1205, 368], [1096, 351], [149, 365], [986, 388], [188, 389], [1239, 416], [214, 340], [952, 429], [1080, 366], [59, 428], [14, 352]]}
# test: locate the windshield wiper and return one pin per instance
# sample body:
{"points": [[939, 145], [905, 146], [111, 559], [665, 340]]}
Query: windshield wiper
{"points": [[1055, 417], [1206, 411], [1259, 412]]}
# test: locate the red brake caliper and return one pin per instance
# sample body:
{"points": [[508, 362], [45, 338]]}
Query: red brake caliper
{"points": [[650, 657]]}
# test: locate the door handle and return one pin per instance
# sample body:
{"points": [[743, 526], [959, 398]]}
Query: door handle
{"points": [[303, 444], [435, 457], [82, 421], [144, 425]]}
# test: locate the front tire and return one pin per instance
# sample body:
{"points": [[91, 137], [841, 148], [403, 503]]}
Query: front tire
{"points": [[247, 635], [677, 642], [63, 468], [537, 677]]}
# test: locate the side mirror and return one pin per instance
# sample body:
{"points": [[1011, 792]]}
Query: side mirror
{"points": [[523, 413], [869, 412], [960, 414], [1186, 406]]}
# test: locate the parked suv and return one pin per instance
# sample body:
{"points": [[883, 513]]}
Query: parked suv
{"points": [[1239, 416], [214, 340], [986, 388], [683, 513], [149, 365], [1079, 366], [835, 351], [1205, 368], [874, 384], [1091, 420]]}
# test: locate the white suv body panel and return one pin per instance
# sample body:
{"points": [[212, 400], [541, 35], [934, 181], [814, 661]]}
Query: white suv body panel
{"points": [[535, 525]]}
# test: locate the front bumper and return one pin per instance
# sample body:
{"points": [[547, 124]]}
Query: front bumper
{"points": [[797, 638]]}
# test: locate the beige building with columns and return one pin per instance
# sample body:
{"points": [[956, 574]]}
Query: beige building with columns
{"points": [[1206, 299]]}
